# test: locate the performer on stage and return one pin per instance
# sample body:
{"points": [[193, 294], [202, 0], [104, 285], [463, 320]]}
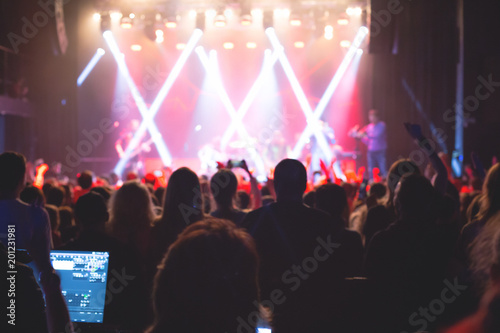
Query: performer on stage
{"points": [[135, 159], [373, 136]]}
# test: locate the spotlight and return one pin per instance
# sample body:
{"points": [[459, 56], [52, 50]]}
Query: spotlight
{"points": [[220, 19], [251, 45], [228, 12], [228, 46], [295, 21], [328, 32], [246, 16], [171, 24], [131, 15], [180, 46], [210, 13], [256, 12], [115, 16], [96, 17], [345, 44], [135, 47], [192, 13], [354, 11], [126, 22], [342, 21], [299, 44], [159, 36]]}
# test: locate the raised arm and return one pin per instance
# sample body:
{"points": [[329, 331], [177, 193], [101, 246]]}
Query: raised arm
{"points": [[429, 147], [255, 194]]}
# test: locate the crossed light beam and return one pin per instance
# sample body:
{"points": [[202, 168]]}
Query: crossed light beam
{"points": [[212, 67], [149, 114], [312, 127], [90, 66], [312, 118]]}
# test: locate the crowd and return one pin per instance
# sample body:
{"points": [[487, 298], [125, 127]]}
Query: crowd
{"points": [[418, 251]]}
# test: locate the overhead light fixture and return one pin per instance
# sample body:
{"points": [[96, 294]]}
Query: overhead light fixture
{"points": [[354, 11], [220, 19], [246, 16], [228, 46], [295, 19], [299, 44], [96, 17], [345, 44], [342, 21], [328, 32], [135, 47], [115, 16], [180, 46], [251, 45], [126, 22], [159, 36]]}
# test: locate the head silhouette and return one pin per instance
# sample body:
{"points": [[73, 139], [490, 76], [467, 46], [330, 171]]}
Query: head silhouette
{"points": [[12, 170], [183, 200], [207, 279], [290, 180], [223, 185], [91, 211], [332, 199]]}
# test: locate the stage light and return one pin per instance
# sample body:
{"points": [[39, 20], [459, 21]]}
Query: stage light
{"points": [[313, 118], [299, 44], [328, 32], [180, 46], [228, 12], [251, 45], [90, 66], [126, 22], [228, 46], [354, 11], [212, 68], [220, 20], [131, 15], [285, 12], [301, 98], [171, 24], [210, 13], [345, 44], [136, 47], [257, 12], [115, 16], [197, 128], [149, 114], [159, 36], [246, 20], [246, 16], [295, 21], [96, 17], [267, 67], [342, 21], [192, 13]]}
